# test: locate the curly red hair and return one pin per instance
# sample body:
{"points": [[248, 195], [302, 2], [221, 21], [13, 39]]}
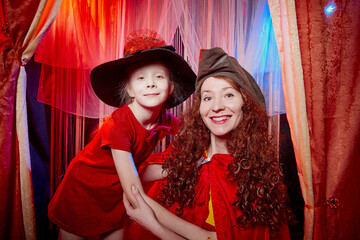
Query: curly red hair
{"points": [[262, 196]]}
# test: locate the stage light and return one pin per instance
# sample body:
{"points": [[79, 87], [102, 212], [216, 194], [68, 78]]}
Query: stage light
{"points": [[330, 8]]}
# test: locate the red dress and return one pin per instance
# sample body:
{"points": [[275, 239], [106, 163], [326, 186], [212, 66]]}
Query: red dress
{"points": [[89, 198], [212, 179]]}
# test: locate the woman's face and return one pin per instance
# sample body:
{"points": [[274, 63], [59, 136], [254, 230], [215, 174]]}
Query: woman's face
{"points": [[220, 106]]}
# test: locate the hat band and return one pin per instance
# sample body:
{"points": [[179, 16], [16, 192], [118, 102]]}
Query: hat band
{"points": [[130, 53]]}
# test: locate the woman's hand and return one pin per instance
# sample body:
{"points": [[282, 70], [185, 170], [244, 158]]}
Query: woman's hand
{"points": [[143, 214]]}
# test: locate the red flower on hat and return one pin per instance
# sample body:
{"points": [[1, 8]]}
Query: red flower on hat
{"points": [[142, 40]]}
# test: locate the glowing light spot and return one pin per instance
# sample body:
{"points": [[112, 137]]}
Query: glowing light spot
{"points": [[330, 9]]}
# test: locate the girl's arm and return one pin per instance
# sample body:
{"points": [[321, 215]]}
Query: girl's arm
{"points": [[127, 172], [152, 172], [129, 177]]}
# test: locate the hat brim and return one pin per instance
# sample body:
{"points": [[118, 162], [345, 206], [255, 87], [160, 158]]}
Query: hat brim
{"points": [[107, 77]]}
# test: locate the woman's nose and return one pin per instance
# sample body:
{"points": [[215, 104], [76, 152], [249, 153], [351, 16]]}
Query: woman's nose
{"points": [[218, 105]]}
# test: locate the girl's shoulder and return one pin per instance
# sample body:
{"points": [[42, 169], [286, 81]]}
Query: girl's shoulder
{"points": [[120, 117], [123, 112]]}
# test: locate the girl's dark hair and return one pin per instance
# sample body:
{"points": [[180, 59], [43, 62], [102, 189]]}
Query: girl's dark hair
{"points": [[261, 195]]}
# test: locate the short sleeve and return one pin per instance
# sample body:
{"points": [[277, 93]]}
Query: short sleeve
{"points": [[116, 135], [160, 157]]}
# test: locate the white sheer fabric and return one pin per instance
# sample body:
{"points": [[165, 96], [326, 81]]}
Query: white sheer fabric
{"points": [[43, 19], [284, 19], [244, 30], [87, 33]]}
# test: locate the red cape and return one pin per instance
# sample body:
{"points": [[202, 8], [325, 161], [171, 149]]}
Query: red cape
{"points": [[212, 178]]}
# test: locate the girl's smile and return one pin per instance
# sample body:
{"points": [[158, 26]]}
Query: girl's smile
{"points": [[151, 94]]}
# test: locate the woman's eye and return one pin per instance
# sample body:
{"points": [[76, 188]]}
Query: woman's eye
{"points": [[229, 95], [140, 78], [160, 76]]}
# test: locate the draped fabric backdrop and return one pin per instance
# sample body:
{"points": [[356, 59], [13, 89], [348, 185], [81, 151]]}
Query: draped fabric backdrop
{"points": [[320, 59], [23, 25]]}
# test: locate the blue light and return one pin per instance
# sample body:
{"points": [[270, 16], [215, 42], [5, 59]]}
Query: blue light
{"points": [[330, 9]]}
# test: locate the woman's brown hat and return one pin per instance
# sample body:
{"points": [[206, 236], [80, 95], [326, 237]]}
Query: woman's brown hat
{"points": [[216, 62], [142, 46]]}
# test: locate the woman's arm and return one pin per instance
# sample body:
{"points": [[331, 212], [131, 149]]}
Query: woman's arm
{"points": [[129, 177], [176, 224], [145, 216]]}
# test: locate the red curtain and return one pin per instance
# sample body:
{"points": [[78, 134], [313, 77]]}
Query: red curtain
{"points": [[23, 25], [11, 224], [330, 55]]}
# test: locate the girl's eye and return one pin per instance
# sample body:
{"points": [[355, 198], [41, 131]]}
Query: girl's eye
{"points": [[140, 78], [206, 98], [229, 95], [160, 76]]}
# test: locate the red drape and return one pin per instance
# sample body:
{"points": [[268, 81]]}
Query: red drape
{"points": [[330, 54], [11, 225], [23, 25], [11, 222]]}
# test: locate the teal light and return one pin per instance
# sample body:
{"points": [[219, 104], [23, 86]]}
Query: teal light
{"points": [[330, 9]]}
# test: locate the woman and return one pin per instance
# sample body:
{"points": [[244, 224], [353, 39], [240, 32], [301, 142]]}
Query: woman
{"points": [[222, 171]]}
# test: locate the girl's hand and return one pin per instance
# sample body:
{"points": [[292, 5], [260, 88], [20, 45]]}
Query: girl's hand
{"points": [[143, 214]]}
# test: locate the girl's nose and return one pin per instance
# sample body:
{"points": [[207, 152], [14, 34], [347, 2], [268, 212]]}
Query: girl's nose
{"points": [[151, 84]]}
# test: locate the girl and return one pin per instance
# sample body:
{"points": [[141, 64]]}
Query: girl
{"points": [[89, 199], [222, 171]]}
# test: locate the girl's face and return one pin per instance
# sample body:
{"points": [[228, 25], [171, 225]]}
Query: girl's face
{"points": [[220, 106], [150, 85]]}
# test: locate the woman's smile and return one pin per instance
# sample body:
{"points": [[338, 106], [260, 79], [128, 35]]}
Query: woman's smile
{"points": [[220, 119]]}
